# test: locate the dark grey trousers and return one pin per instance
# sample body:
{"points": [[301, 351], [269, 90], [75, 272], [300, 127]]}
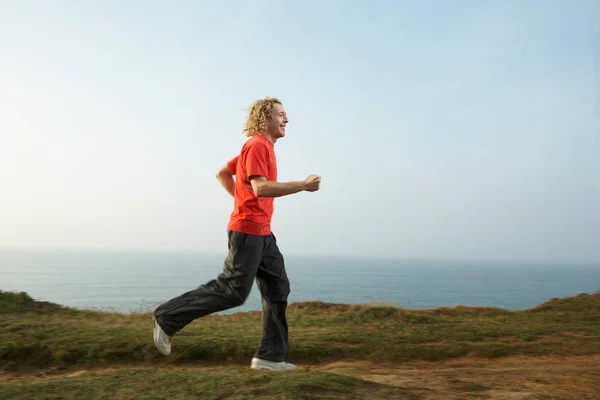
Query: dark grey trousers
{"points": [[250, 257]]}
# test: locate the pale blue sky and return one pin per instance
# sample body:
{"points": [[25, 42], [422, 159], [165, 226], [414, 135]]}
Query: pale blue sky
{"points": [[442, 129]]}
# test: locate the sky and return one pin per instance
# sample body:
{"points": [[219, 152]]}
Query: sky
{"points": [[454, 130]]}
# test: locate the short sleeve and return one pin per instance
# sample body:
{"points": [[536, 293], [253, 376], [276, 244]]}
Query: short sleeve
{"points": [[232, 164], [257, 160]]}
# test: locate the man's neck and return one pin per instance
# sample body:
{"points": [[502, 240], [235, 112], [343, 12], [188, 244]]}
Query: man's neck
{"points": [[269, 137]]}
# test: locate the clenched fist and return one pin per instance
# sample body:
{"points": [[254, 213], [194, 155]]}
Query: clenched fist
{"points": [[312, 183]]}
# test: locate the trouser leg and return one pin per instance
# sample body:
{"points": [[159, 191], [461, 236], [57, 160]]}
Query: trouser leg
{"points": [[274, 287], [230, 289]]}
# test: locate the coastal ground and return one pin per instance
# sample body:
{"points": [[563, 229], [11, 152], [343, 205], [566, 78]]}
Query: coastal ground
{"points": [[551, 351]]}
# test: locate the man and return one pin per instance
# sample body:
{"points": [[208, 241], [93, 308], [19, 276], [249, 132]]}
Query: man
{"points": [[253, 252]]}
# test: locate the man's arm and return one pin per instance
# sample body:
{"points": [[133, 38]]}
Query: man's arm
{"points": [[225, 178], [265, 188], [257, 161]]}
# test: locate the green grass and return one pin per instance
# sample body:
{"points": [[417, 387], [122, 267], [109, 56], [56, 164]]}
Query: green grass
{"points": [[38, 335], [211, 355], [229, 383]]}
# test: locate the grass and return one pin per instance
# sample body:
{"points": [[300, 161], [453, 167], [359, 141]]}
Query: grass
{"points": [[230, 383], [40, 336]]}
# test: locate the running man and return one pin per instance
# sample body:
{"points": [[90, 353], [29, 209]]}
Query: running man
{"points": [[253, 252]]}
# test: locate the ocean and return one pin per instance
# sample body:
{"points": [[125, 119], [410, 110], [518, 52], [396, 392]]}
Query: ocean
{"points": [[136, 281]]}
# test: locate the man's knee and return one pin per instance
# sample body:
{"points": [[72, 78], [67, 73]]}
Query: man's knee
{"points": [[239, 297], [234, 293], [280, 291]]}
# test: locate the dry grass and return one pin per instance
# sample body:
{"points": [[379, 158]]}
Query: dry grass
{"points": [[548, 377]]}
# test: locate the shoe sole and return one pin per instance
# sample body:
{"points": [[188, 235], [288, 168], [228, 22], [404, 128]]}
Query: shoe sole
{"points": [[271, 369]]}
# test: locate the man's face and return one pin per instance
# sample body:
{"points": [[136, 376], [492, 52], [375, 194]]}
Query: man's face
{"points": [[277, 122]]}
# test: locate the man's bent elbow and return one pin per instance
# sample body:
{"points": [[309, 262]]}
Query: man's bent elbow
{"points": [[225, 172], [259, 186], [259, 190]]}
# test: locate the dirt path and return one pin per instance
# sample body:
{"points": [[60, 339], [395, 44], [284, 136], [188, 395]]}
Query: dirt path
{"points": [[510, 378]]}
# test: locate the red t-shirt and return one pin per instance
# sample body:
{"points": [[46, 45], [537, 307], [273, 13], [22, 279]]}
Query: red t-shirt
{"points": [[252, 214]]}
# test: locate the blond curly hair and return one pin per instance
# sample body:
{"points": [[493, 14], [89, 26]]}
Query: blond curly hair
{"points": [[259, 113]]}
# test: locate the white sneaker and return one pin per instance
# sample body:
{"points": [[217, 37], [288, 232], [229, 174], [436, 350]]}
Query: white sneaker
{"points": [[257, 363], [161, 340]]}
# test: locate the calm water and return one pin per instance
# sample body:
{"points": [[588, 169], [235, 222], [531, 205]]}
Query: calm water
{"points": [[137, 281]]}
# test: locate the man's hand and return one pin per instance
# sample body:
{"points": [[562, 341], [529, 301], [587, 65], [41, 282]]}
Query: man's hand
{"points": [[312, 183]]}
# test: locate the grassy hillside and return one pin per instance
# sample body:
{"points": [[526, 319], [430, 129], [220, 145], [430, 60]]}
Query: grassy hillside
{"points": [[37, 335], [53, 352]]}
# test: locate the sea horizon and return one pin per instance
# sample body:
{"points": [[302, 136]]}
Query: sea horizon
{"points": [[286, 254], [125, 280]]}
